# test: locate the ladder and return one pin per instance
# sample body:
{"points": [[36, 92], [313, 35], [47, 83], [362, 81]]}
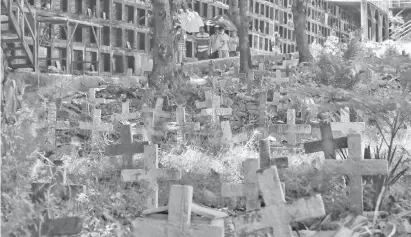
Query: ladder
{"points": [[18, 22]]}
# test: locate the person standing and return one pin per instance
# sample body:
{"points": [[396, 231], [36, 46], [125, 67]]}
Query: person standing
{"points": [[233, 44], [215, 44], [203, 43], [181, 44], [224, 44]]}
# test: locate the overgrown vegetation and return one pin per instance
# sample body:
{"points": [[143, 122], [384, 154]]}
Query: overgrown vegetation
{"points": [[341, 75]]}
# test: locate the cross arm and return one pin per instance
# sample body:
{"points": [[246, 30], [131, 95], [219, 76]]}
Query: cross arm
{"points": [[218, 111], [284, 128], [363, 167], [118, 149], [316, 146], [130, 175]]}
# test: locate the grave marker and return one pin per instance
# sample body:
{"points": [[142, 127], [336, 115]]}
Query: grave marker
{"points": [[127, 148], [211, 107], [153, 116], [96, 126], [327, 144], [290, 129], [151, 173], [265, 156], [63, 226], [96, 101], [180, 221], [355, 167], [228, 138], [345, 125], [53, 124], [125, 113], [185, 127], [277, 214]]}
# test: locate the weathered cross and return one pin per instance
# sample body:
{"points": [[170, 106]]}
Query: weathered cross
{"points": [[180, 208], [276, 78], [290, 129], [345, 125], [327, 144], [95, 101], [211, 107], [96, 126], [125, 113], [151, 173], [277, 214], [185, 127], [127, 148], [153, 117], [355, 167], [53, 124]]}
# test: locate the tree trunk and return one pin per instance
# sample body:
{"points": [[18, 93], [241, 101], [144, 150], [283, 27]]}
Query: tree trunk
{"points": [[238, 15], [163, 49], [299, 10]]}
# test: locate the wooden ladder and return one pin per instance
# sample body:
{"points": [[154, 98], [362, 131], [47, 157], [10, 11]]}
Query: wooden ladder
{"points": [[16, 18]]}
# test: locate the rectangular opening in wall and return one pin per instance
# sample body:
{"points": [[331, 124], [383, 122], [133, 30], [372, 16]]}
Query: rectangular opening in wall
{"points": [[141, 40], [78, 6], [250, 40], [130, 39], [118, 11], [62, 33], [93, 8], [257, 8], [105, 61], [213, 11], [255, 41], [151, 43], [280, 31], [105, 13], [106, 35], [78, 34], [141, 14], [276, 15], [262, 9], [261, 43], [130, 62], [266, 44], [93, 66], [220, 11], [271, 13], [256, 24], [118, 65], [189, 51], [250, 25], [197, 6], [130, 14], [92, 36], [267, 11], [262, 25], [63, 55], [63, 5], [77, 60], [205, 9], [118, 32]]}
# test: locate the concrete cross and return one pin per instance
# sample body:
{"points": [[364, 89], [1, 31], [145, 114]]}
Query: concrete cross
{"points": [[211, 107], [151, 173], [96, 126], [355, 167], [228, 138], [179, 221], [153, 116], [345, 125], [327, 144], [276, 78], [125, 113], [127, 148], [95, 101], [185, 127], [276, 214], [290, 129], [53, 124]]}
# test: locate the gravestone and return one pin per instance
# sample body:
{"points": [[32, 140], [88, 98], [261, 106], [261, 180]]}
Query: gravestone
{"points": [[150, 173], [228, 138], [327, 144], [127, 147], [96, 126], [185, 127], [96, 101], [355, 167], [277, 213], [345, 125], [153, 116], [290, 129], [180, 218], [125, 113]]}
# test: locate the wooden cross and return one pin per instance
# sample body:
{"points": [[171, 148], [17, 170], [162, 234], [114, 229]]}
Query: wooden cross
{"points": [[211, 107], [127, 148], [96, 126], [250, 189], [93, 100], [125, 113], [185, 127], [345, 125], [53, 124], [277, 214], [355, 167], [290, 129], [327, 144], [179, 221], [151, 173], [153, 117]]}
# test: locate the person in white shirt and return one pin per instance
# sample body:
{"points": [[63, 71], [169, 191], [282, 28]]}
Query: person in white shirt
{"points": [[233, 44], [224, 44], [215, 44]]}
